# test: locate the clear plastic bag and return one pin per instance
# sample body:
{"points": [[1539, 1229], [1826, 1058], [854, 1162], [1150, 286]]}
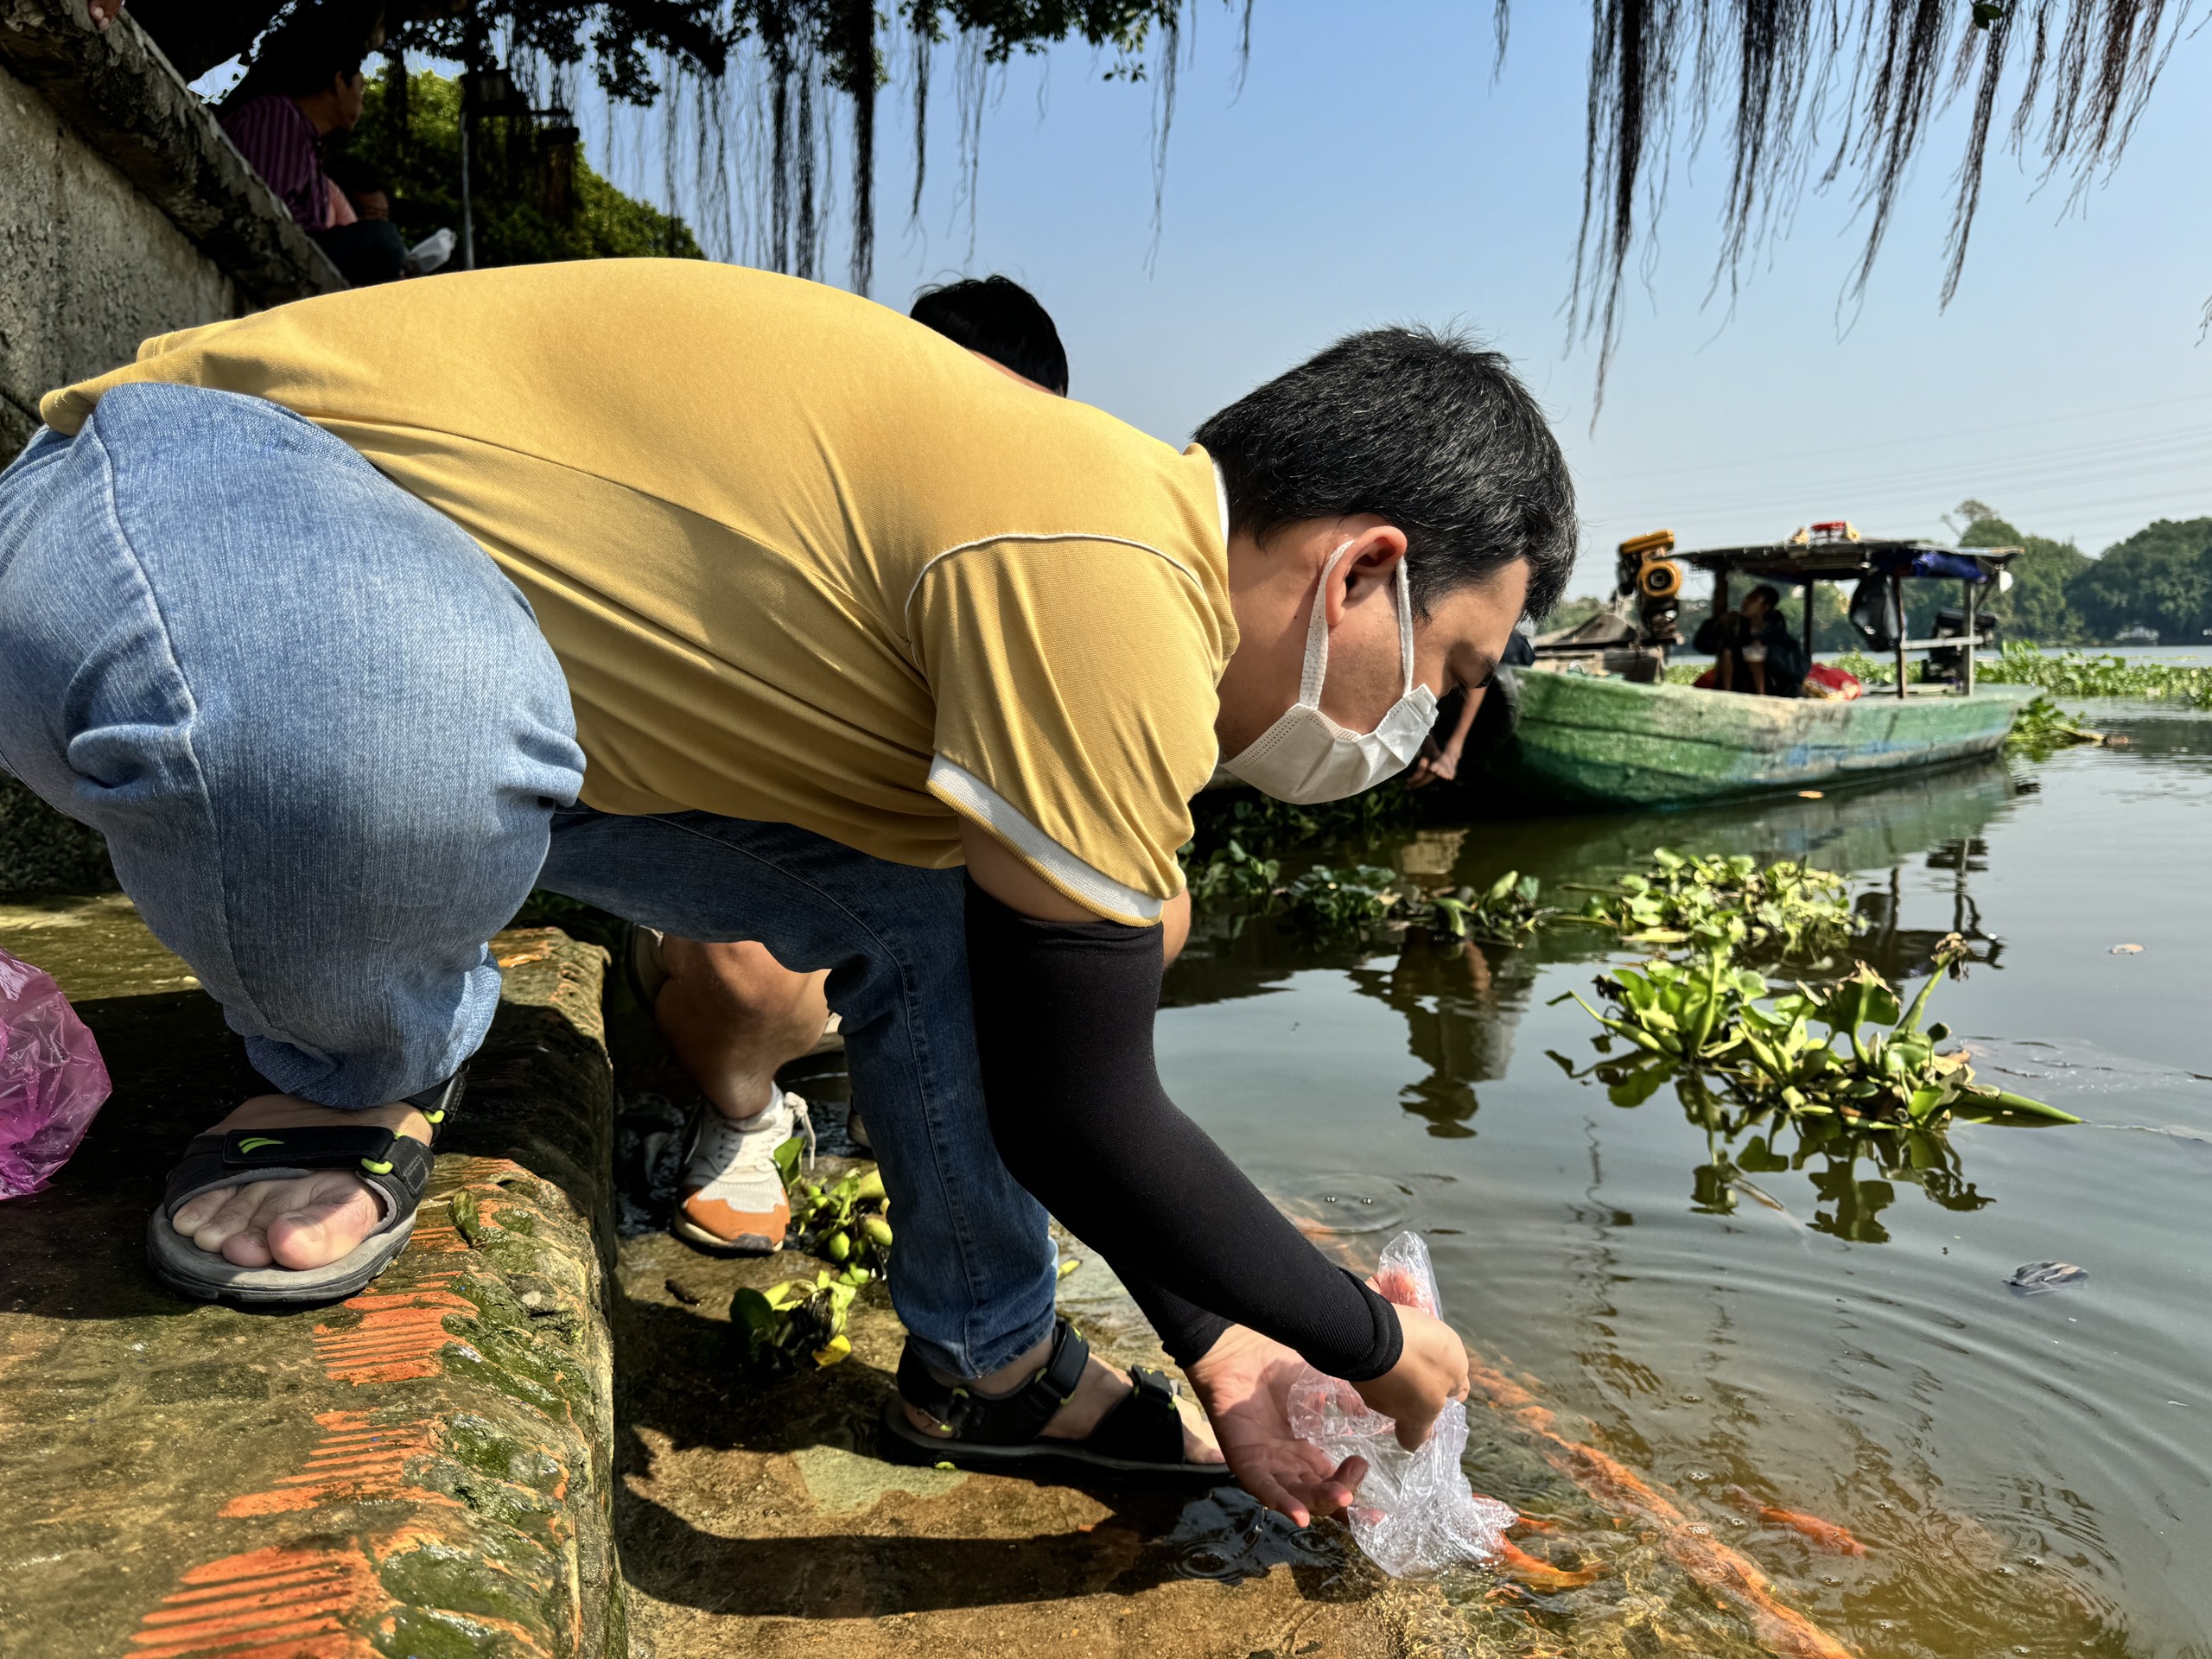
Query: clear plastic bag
{"points": [[431, 252], [51, 1079], [1416, 1514]]}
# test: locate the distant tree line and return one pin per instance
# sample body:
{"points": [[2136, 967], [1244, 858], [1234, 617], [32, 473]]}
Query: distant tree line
{"points": [[2160, 578]]}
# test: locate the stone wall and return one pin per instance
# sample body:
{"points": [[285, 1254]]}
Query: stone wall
{"points": [[124, 212]]}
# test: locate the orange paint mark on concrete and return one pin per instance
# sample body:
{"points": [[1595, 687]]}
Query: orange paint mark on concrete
{"points": [[356, 1459], [269, 1604], [400, 1335], [441, 1238]]}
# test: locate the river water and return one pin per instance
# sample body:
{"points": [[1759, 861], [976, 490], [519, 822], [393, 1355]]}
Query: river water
{"points": [[2029, 1474]]}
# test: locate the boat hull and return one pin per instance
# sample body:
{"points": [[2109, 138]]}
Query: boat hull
{"points": [[1585, 741]]}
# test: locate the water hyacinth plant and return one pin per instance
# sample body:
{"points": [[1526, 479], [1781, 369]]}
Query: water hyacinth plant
{"points": [[1326, 900], [777, 1326], [1505, 913], [1783, 909], [2042, 728], [844, 1221], [1233, 874], [2077, 674], [1713, 1022]]}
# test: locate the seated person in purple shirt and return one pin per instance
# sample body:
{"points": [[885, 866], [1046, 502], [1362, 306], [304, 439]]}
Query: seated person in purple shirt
{"points": [[308, 86]]}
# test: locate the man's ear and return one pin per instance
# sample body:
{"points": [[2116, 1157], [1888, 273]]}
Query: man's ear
{"points": [[1370, 562]]}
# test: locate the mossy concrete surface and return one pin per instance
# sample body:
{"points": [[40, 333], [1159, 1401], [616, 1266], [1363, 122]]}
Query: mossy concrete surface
{"points": [[764, 1519], [421, 1473]]}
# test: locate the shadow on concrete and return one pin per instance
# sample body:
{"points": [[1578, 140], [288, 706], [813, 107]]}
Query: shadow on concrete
{"points": [[77, 1250], [835, 1574]]}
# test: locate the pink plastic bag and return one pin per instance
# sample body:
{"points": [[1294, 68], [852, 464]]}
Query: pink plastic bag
{"points": [[52, 1080]]}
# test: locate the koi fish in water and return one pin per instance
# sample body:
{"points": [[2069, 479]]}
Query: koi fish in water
{"points": [[1524, 1568], [1395, 1285], [1826, 1534]]}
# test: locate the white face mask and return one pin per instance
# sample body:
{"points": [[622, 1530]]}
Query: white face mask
{"points": [[1306, 756]]}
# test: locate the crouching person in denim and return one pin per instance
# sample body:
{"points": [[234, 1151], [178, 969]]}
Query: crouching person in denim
{"points": [[746, 608]]}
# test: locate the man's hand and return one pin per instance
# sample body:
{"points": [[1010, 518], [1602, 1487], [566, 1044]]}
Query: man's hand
{"points": [[1433, 765], [104, 12], [1243, 1382], [1432, 1369]]}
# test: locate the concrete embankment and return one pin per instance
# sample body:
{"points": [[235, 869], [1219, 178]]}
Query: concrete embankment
{"points": [[430, 1470], [423, 1471], [523, 1443]]}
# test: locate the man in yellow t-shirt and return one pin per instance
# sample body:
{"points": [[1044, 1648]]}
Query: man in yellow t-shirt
{"points": [[743, 607]]}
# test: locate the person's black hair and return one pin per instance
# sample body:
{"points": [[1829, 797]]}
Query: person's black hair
{"points": [[303, 57], [1423, 428], [1767, 591], [1001, 319]]}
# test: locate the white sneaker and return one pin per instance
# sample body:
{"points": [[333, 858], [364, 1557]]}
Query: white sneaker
{"points": [[730, 1196]]}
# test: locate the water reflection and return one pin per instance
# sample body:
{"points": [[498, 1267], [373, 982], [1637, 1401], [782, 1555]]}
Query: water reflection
{"points": [[1715, 1301], [1462, 1001]]}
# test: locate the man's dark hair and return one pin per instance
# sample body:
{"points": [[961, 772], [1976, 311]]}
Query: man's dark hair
{"points": [[302, 57], [1425, 430], [1768, 592], [1000, 318]]}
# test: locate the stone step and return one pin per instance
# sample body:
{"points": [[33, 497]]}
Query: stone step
{"points": [[421, 1471]]}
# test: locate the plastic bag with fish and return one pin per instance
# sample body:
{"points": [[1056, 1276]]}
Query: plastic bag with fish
{"points": [[1416, 1514], [51, 1079]]}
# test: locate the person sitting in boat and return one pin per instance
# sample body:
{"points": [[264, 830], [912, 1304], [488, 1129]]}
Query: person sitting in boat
{"points": [[1753, 648]]}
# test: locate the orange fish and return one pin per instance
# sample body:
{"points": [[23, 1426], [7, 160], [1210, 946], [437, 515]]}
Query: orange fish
{"points": [[1826, 1534], [1728, 1573], [1541, 1575]]}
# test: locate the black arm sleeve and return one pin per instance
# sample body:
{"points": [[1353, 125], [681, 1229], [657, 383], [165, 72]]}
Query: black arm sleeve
{"points": [[1064, 1017]]}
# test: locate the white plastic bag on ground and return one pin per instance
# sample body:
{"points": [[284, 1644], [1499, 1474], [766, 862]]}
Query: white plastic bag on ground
{"points": [[1416, 1513], [432, 251]]}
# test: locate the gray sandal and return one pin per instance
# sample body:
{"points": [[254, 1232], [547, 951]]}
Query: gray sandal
{"points": [[396, 1167]]}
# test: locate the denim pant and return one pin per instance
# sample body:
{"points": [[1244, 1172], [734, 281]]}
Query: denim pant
{"points": [[331, 754]]}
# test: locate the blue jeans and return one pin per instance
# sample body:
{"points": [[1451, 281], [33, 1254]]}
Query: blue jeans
{"points": [[331, 754]]}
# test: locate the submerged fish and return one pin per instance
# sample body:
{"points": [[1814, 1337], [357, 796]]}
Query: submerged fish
{"points": [[1525, 1568], [1727, 1572], [1826, 1534]]}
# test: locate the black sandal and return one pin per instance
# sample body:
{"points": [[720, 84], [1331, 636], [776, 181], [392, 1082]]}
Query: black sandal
{"points": [[1142, 1435], [396, 1167]]}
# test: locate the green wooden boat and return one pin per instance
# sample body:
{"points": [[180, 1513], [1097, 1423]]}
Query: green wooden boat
{"points": [[1585, 741], [1595, 724]]}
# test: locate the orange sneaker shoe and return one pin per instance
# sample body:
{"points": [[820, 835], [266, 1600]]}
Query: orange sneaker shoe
{"points": [[730, 1196]]}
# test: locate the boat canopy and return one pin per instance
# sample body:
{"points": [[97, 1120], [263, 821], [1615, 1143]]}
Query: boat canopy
{"points": [[1840, 558]]}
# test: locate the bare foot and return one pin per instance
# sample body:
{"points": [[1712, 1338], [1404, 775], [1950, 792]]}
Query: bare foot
{"points": [[307, 1222], [1102, 1388]]}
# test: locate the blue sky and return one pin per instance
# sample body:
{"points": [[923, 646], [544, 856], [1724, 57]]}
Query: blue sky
{"points": [[1372, 171]]}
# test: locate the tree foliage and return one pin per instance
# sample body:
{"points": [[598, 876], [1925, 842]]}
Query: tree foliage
{"points": [[1809, 92], [535, 198], [2159, 578], [2039, 606], [1812, 91], [797, 53]]}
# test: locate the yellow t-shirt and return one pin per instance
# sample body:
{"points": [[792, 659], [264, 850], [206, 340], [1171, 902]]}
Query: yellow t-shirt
{"points": [[802, 559]]}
